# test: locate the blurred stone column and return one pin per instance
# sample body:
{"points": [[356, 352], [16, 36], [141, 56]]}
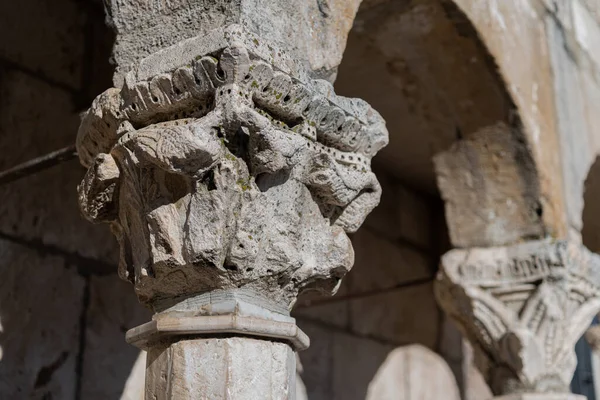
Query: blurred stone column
{"points": [[523, 308], [230, 173]]}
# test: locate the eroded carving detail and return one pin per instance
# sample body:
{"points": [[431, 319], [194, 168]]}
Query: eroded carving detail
{"points": [[523, 307], [226, 173]]}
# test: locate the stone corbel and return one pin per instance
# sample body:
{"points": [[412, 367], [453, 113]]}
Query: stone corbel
{"points": [[523, 307]]}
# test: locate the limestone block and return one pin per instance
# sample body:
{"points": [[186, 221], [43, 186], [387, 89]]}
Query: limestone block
{"points": [[490, 188], [576, 142], [43, 207], [587, 30], [45, 37], [475, 387], [413, 373], [229, 368], [403, 316], [508, 28], [108, 360], [593, 7], [356, 362], [29, 126], [314, 34], [591, 95], [41, 301]]}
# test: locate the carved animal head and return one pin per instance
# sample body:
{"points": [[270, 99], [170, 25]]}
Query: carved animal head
{"points": [[234, 178]]}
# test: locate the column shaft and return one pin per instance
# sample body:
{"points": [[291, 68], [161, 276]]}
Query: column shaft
{"points": [[229, 368]]}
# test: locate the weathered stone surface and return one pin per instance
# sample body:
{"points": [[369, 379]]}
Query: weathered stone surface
{"points": [[508, 28], [231, 179], [29, 128], [41, 299], [256, 178], [413, 373], [576, 149], [219, 369], [523, 307], [491, 190], [43, 208], [113, 309], [46, 38], [314, 34]]}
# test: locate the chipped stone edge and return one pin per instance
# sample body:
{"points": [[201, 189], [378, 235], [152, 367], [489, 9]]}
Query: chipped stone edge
{"points": [[174, 56], [167, 326]]}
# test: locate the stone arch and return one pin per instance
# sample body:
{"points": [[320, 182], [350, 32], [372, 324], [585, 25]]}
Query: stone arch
{"points": [[440, 76], [553, 85], [425, 68]]}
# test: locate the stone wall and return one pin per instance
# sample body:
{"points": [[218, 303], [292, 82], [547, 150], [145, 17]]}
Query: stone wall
{"points": [[63, 311]]}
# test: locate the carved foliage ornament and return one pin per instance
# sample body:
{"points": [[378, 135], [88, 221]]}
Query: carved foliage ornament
{"points": [[523, 307], [227, 172]]}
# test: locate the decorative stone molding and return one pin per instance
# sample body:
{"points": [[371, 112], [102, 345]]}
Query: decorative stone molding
{"points": [[219, 165], [523, 307], [220, 312]]}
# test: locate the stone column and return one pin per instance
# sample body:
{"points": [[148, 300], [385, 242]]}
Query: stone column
{"points": [[523, 307], [230, 178]]}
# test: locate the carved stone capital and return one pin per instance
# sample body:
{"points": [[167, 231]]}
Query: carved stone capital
{"points": [[523, 307], [220, 165]]}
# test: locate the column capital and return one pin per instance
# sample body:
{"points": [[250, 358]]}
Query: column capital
{"points": [[523, 307], [221, 165]]}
